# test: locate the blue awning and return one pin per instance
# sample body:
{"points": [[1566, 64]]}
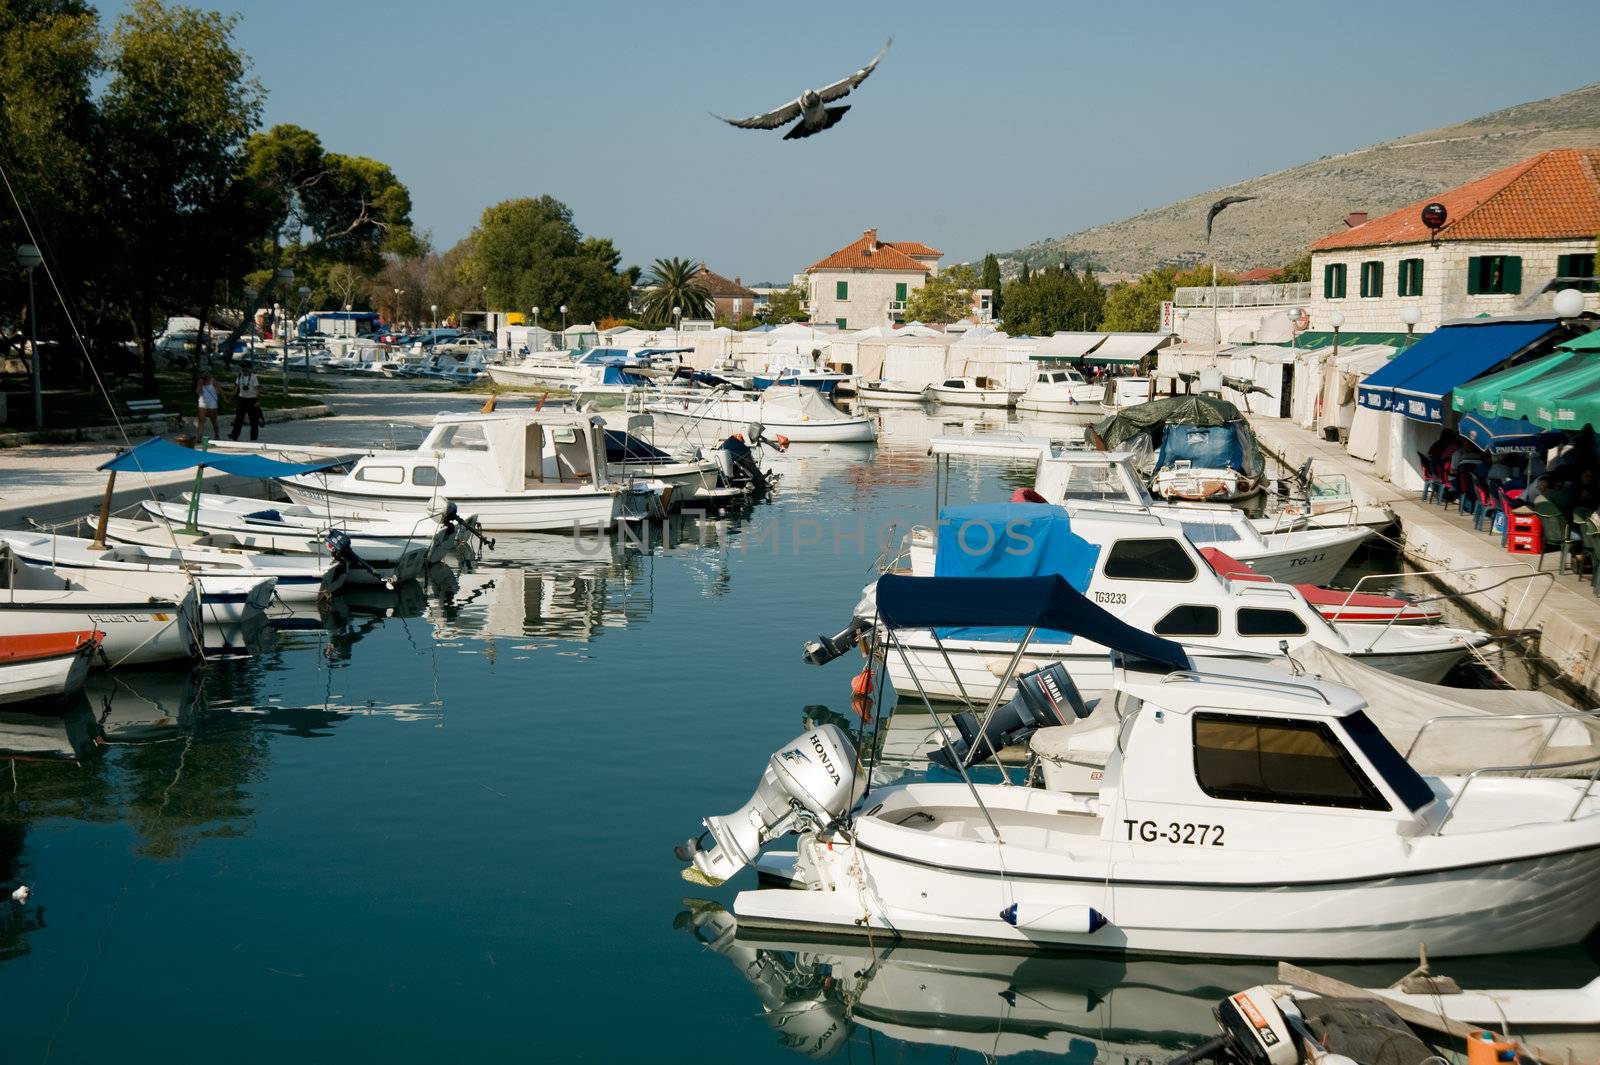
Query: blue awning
{"points": [[1416, 381], [1499, 435], [1012, 602], [159, 455]]}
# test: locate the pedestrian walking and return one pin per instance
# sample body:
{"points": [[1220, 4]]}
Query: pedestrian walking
{"points": [[247, 400], [206, 390]]}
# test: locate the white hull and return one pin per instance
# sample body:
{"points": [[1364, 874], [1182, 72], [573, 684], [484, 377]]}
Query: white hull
{"points": [[979, 666], [1530, 904], [878, 395], [549, 510], [535, 376], [996, 398], [1092, 409], [1311, 557], [736, 416], [44, 678], [136, 633]]}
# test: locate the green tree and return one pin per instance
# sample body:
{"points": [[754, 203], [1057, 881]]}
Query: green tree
{"points": [[528, 253], [674, 283], [787, 306], [991, 281], [944, 298], [49, 56], [1136, 307], [1053, 300], [1299, 270]]}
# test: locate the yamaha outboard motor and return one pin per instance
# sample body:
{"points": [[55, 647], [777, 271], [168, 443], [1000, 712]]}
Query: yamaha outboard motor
{"points": [[1045, 696], [738, 465], [340, 548], [825, 649]]}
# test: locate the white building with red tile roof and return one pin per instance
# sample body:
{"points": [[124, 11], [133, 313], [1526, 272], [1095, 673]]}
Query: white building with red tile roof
{"points": [[1506, 237], [866, 282]]}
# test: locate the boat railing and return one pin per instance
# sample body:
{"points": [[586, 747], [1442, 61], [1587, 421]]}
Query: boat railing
{"points": [[1525, 770], [1196, 676], [1507, 616], [1588, 718]]}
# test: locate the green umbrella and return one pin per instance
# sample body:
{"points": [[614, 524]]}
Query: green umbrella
{"points": [[1483, 395], [1567, 400]]}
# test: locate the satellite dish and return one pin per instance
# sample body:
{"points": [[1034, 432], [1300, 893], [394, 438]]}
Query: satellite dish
{"points": [[1434, 216]]}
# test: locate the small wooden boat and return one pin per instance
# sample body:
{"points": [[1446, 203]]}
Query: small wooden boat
{"points": [[44, 666]]}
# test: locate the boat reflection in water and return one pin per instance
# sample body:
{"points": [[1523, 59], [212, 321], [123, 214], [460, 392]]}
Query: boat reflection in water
{"points": [[818, 995], [60, 735]]}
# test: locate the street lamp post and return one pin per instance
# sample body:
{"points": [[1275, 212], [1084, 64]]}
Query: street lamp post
{"points": [[1336, 319], [563, 323], [433, 312], [397, 294], [1411, 316], [304, 292], [285, 277], [677, 326], [28, 258]]}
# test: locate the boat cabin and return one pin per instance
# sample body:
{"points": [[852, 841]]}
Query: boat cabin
{"points": [[496, 452], [1059, 377]]}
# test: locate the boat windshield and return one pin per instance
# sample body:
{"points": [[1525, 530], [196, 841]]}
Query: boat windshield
{"points": [[1390, 764]]}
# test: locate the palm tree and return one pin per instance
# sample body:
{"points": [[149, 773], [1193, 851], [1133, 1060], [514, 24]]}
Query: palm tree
{"points": [[675, 283]]}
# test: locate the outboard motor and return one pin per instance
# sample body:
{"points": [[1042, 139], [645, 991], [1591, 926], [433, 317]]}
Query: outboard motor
{"points": [[1045, 696], [738, 465], [811, 779], [825, 649], [342, 551]]}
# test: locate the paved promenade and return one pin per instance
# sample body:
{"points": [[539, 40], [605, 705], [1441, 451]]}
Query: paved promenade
{"points": [[1442, 541]]}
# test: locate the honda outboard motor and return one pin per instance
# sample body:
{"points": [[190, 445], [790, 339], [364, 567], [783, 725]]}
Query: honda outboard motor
{"points": [[812, 779], [1045, 696]]}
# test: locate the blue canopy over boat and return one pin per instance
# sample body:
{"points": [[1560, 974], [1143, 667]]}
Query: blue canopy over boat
{"points": [[1012, 603], [1498, 435], [160, 455], [1013, 540]]}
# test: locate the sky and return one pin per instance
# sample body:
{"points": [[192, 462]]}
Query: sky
{"points": [[988, 125]]}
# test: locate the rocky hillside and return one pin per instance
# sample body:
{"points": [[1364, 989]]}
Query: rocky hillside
{"points": [[1299, 205]]}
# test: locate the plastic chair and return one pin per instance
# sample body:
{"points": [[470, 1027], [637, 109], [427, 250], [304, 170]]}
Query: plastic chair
{"points": [[1580, 552], [1556, 531], [1430, 478], [1466, 490], [1591, 546], [1486, 503]]}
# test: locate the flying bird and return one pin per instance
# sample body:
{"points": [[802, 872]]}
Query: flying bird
{"points": [[1218, 207], [808, 106]]}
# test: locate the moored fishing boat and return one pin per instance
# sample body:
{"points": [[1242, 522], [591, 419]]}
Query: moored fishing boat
{"points": [[44, 666], [973, 392], [1062, 390], [801, 415], [892, 392], [1243, 813]]}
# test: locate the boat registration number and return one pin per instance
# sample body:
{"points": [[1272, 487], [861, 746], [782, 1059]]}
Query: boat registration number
{"points": [[1187, 833], [1307, 560], [1115, 598]]}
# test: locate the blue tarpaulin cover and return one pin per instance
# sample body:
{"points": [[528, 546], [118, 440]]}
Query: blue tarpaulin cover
{"points": [[1014, 603], [1416, 381], [1012, 540], [160, 455], [1498, 435], [1212, 447]]}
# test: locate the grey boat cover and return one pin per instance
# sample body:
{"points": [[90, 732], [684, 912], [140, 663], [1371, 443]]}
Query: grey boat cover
{"points": [[1204, 411]]}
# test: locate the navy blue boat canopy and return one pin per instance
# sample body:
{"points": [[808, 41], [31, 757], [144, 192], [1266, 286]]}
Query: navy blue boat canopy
{"points": [[1416, 381], [160, 455], [1014, 602]]}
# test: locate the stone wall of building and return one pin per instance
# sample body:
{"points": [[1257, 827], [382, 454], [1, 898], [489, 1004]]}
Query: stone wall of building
{"points": [[870, 294]]}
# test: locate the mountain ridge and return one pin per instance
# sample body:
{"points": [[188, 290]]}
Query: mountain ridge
{"points": [[1298, 204]]}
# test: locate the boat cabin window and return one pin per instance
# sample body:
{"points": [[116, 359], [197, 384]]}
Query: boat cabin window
{"points": [[427, 476], [1190, 619], [1087, 481], [382, 474], [1257, 621], [1156, 559], [1264, 759], [955, 382], [1207, 532], [467, 437]]}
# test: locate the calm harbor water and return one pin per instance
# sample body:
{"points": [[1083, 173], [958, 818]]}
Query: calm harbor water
{"points": [[440, 825]]}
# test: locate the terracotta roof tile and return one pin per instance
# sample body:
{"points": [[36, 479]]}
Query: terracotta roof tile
{"points": [[870, 253], [915, 247], [1550, 196], [717, 285], [1260, 273]]}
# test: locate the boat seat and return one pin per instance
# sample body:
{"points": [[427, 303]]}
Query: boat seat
{"points": [[1067, 766]]}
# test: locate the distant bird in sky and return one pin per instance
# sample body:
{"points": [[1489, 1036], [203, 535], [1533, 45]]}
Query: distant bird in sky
{"points": [[1218, 207], [808, 106]]}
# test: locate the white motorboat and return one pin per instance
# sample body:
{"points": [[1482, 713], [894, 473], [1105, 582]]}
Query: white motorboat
{"points": [[145, 616], [1062, 391], [45, 667], [520, 471], [1128, 392], [800, 415], [691, 478], [232, 583], [1107, 481], [1144, 567], [892, 392], [1242, 814], [974, 392]]}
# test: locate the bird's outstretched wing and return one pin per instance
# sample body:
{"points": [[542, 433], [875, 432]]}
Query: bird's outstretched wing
{"points": [[1217, 209], [771, 120], [841, 88]]}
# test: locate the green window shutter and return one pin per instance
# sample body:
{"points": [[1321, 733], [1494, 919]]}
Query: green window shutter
{"points": [[1327, 282], [1377, 279], [1511, 274], [841, 290], [1416, 277], [1564, 266], [1343, 279], [1474, 273], [840, 322], [900, 292]]}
